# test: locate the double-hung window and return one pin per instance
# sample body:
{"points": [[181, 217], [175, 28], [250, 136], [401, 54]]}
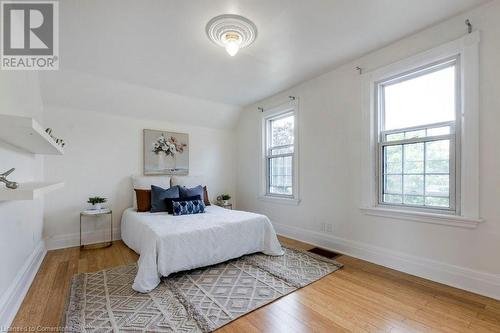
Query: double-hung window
{"points": [[280, 153], [417, 151], [420, 159]]}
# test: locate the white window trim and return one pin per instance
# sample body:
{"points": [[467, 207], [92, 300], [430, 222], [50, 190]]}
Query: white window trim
{"points": [[467, 50], [289, 107]]}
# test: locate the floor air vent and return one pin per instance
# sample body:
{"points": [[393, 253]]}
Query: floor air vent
{"points": [[323, 252]]}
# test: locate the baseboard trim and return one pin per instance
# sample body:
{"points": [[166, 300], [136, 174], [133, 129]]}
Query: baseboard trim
{"points": [[478, 282], [71, 240], [14, 296]]}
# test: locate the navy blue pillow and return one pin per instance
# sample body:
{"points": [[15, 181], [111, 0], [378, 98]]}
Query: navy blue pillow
{"points": [[188, 205], [190, 198], [160, 198], [185, 192]]}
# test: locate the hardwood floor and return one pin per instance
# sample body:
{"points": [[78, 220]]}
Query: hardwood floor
{"points": [[361, 297]]}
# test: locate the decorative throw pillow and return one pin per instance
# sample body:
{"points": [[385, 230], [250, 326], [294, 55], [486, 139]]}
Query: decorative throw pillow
{"points": [[145, 182], [206, 200], [143, 200], [188, 205], [185, 192], [193, 197], [160, 196]]}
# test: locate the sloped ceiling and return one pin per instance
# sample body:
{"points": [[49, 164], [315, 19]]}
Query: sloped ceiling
{"points": [[132, 57]]}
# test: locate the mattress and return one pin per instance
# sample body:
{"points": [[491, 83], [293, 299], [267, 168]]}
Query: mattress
{"points": [[168, 244]]}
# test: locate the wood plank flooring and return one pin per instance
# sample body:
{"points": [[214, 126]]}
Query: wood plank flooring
{"points": [[361, 297]]}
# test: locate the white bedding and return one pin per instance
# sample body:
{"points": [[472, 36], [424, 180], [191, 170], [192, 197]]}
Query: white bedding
{"points": [[169, 244]]}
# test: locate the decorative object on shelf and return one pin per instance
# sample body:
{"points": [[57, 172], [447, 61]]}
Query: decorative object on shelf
{"points": [[232, 32], [27, 134], [96, 202], [8, 183], [60, 142], [166, 153], [96, 213]]}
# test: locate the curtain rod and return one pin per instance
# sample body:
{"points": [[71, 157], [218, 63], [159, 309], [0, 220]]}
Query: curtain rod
{"points": [[469, 31], [290, 98]]}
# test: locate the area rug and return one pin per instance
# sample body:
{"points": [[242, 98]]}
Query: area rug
{"points": [[200, 300]]}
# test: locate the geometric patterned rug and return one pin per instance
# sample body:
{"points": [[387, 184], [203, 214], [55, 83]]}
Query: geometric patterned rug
{"points": [[200, 300]]}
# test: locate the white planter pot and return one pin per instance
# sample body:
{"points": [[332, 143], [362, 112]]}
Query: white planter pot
{"points": [[97, 206]]}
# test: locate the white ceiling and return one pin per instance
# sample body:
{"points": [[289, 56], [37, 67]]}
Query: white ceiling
{"points": [[162, 46]]}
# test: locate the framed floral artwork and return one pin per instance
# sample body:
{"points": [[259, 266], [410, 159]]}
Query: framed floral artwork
{"points": [[166, 153]]}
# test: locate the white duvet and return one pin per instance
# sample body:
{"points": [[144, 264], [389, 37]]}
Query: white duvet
{"points": [[169, 244]]}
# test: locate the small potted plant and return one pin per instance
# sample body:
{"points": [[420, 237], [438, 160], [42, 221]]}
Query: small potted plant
{"points": [[225, 199], [96, 202]]}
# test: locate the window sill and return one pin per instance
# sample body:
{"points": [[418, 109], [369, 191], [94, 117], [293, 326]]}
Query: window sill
{"points": [[280, 200], [424, 217]]}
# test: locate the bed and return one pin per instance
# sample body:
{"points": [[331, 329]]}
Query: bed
{"points": [[168, 244]]}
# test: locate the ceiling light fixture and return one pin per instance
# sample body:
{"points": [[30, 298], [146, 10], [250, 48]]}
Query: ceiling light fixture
{"points": [[232, 32]]}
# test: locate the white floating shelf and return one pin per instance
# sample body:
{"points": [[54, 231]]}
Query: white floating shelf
{"points": [[28, 191], [27, 134]]}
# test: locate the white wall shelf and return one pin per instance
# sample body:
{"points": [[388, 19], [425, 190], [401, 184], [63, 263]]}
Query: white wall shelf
{"points": [[28, 191], [27, 134]]}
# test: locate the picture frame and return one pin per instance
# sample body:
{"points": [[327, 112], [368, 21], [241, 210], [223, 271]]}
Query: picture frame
{"points": [[165, 153]]}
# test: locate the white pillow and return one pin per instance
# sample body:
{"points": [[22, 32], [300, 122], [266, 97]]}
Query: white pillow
{"points": [[145, 182], [188, 181]]}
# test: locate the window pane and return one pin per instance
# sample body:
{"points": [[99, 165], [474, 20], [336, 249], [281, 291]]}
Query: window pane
{"points": [[438, 186], [395, 137], [280, 151], [422, 100], [393, 199], [438, 131], [414, 158], [414, 185], [280, 175], [437, 202], [282, 131], [393, 184], [415, 134], [414, 200], [393, 157], [428, 132], [437, 156]]}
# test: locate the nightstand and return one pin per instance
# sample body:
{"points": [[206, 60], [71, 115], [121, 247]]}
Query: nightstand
{"points": [[97, 213]]}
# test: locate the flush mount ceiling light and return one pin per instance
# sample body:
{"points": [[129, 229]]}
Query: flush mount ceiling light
{"points": [[232, 32]]}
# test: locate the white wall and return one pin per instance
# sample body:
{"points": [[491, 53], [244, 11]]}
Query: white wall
{"points": [[330, 169], [21, 222], [103, 151]]}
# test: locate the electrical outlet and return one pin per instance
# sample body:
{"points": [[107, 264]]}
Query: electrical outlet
{"points": [[326, 227]]}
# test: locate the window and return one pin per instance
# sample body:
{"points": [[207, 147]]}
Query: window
{"points": [[280, 140], [280, 153], [417, 137], [420, 158]]}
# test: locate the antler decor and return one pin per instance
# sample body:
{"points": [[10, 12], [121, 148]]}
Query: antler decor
{"points": [[9, 184]]}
